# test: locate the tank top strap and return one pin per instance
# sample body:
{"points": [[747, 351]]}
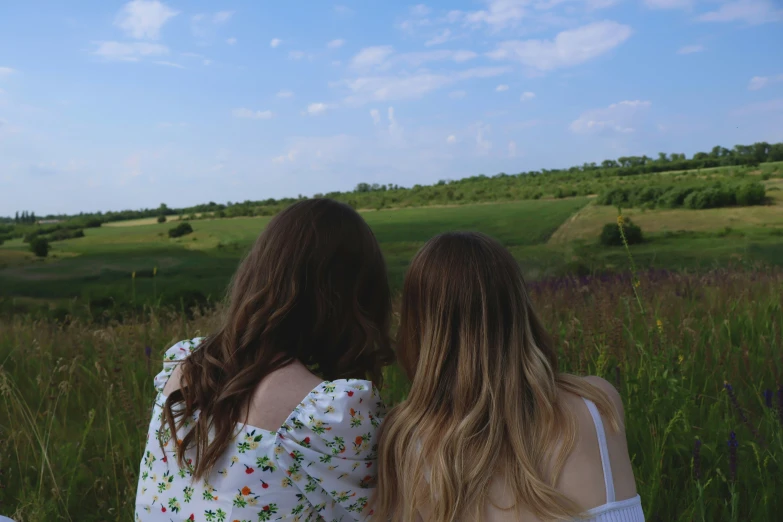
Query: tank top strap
{"points": [[603, 448]]}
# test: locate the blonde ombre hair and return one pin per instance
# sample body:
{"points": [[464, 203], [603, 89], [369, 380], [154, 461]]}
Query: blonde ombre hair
{"points": [[484, 402]]}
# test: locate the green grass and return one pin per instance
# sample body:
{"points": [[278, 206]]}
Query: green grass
{"points": [[75, 401]]}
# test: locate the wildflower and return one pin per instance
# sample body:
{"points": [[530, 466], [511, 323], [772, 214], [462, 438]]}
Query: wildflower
{"points": [[733, 444], [133, 275], [680, 358], [620, 220], [154, 271], [768, 398], [659, 324], [637, 283], [741, 413], [697, 459]]}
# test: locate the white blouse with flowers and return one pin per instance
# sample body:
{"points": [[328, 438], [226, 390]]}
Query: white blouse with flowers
{"points": [[320, 465]]}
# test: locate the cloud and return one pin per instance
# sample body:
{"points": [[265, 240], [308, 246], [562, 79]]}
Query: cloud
{"points": [[275, 42], [403, 87], [502, 87], [204, 26], [394, 129], [690, 49], [314, 109], [420, 10], [296, 55], [336, 44], [290, 157], [668, 4], [527, 95], [483, 145], [376, 116], [618, 117], [143, 19], [169, 64], [250, 114], [372, 56], [6, 71], [443, 37], [128, 52], [512, 149], [457, 95], [451, 139], [231, 41], [759, 82], [285, 94], [752, 12], [499, 14], [222, 16], [761, 107], [569, 48]]}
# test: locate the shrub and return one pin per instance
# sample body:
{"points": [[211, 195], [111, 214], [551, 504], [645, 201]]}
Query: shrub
{"points": [[180, 230], [751, 194], [65, 233], [610, 235], [39, 246], [161, 219], [93, 223]]}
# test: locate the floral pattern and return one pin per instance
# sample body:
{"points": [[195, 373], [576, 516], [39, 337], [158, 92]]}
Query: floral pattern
{"points": [[319, 466]]}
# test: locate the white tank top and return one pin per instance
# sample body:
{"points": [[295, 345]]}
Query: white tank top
{"points": [[629, 510]]}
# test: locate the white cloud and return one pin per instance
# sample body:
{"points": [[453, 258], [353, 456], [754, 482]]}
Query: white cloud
{"points": [[420, 10], [668, 4], [143, 19], [482, 144], [222, 16], [502, 87], [759, 82], [761, 107], [527, 95], [250, 114], [403, 87], [372, 56], [443, 37], [618, 117], [285, 94], [315, 109], [6, 71], [571, 47], [128, 52], [296, 55], [336, 44], [169, 64], [499, 13], [291, 156], [275, 42], [231, 41], [451, 139], [394, 129], [690, 49], [376, 116], [512, 149], [752, 12], [457, 95]]}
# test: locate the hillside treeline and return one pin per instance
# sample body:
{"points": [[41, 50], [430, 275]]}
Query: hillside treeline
{"points": [[585, 179]]}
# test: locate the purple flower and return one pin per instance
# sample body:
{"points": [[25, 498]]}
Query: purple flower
{"points": [[741, 413], [697, 459], [733, 444], [768, 398]]}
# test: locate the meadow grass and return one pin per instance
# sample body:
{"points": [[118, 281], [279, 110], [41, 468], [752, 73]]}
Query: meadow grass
{"points": [[75, 400]]}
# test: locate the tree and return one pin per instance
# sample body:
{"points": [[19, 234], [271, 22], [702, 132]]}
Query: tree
{"points": [[39, 246], [610, 235], [161, 219], [181, 230]]}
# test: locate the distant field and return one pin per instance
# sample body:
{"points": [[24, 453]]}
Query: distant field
{"points": [[100, 264]]}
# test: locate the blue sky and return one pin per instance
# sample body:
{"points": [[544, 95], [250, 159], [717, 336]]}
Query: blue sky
{"points": [[111, 105]]}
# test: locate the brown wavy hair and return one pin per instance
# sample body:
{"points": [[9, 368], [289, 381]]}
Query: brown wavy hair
{"points": [[484, 402], [313, 288]]}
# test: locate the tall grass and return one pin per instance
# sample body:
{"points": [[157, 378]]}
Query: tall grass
{"points": [[75, 400]]}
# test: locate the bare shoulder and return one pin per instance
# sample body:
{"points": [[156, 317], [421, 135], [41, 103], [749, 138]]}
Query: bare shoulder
{"points": [[278, 394], [607, 387]]}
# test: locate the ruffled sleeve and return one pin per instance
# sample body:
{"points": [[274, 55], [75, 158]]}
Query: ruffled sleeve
{"points": [[328, 446], [173, 356]]}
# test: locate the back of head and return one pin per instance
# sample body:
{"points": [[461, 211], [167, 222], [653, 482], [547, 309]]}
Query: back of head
{"points": [[484, 383], [314, 289]]}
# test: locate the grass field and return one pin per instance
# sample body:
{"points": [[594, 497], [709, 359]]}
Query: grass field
{"points": [[74, 401]]}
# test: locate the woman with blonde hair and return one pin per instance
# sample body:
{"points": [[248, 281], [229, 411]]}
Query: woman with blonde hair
{"points": [[491, 430]]}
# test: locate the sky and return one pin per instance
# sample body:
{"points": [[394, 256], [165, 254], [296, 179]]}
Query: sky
{"points": [[111, 105]]}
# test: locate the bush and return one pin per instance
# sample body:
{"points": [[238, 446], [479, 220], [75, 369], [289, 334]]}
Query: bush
{"points": [[751, 194], [161, 219], [93, 223], [610, 235], [65, 233], [180, 230], [39, 246]]}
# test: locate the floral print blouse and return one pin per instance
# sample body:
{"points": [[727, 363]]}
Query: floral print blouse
{"points": [[320, 465]]}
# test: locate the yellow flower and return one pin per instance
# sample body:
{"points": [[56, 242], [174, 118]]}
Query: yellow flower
{"points": [[680, 359], [620, 220], [637, 283], [660, 325], [133, 275], [155, 271]]}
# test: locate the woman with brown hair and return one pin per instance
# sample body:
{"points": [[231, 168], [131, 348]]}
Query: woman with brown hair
{"points": [[271, 417], [491, 430]]}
